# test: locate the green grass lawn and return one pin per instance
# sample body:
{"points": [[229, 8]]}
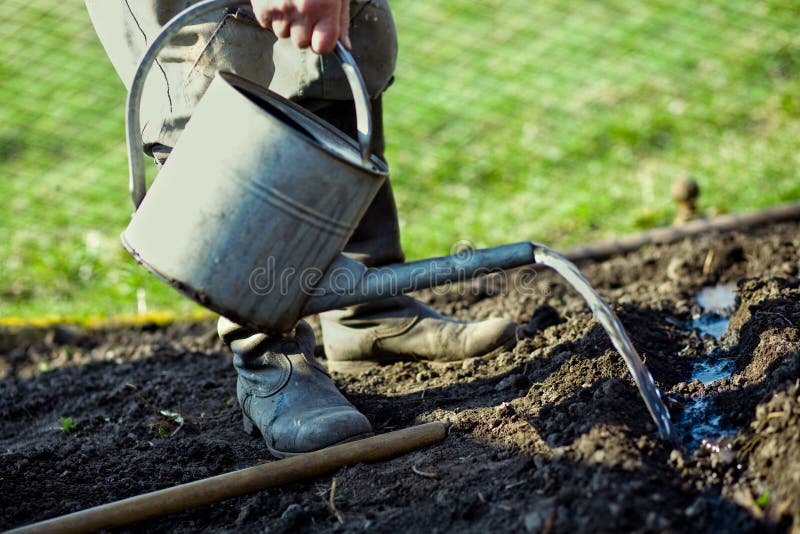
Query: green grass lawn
{"points": [[561, 122]]}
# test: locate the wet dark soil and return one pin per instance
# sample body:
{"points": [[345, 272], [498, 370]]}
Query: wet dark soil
{"points": [[551, 436]]}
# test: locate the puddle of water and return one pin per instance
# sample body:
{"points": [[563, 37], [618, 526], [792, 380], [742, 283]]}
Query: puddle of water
{"points": [[699, 422], [713, 369], [710, 324], [609, 320], [719, 300], [718, 303]]}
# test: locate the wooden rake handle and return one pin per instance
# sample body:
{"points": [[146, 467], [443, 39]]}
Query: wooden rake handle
{"points": [[220, 487]]}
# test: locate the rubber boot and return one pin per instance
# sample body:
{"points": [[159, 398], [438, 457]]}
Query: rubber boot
{"points": [[285, 395]]}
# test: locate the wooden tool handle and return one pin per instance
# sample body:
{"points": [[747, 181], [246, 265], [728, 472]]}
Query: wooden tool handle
{"points": [[220, 487]]}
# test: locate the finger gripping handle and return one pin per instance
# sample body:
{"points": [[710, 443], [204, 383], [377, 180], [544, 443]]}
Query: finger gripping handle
{"points": [[136, 170]]}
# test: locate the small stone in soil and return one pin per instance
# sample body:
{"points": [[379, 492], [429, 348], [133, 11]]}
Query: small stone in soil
{"points": [[545, 316], [534, 522], [505, 410], [676, 458], [471, 363], [512, 381]]}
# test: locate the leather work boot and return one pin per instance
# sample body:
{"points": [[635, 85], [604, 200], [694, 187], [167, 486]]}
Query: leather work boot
{"points": [[286, 395], [401, 328], [398, 328]]}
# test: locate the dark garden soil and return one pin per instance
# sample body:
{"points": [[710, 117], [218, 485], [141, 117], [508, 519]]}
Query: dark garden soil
{"points": [[551, 436]]}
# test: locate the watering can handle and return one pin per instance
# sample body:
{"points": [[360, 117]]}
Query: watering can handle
{"points": [[136, 171]]}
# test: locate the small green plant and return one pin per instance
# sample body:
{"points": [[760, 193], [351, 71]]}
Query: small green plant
{"points": [[763, 500], [67, 425], [169, 418], [230, 402]]}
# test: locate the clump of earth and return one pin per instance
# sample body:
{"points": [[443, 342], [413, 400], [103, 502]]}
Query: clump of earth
{"points": [[551, 435]]}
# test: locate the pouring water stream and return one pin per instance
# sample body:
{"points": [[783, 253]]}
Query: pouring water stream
{"points": [[611, 323]]}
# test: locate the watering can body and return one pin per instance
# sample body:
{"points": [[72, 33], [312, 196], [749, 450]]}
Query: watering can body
{"points": [[254, 203], [257, 198]]}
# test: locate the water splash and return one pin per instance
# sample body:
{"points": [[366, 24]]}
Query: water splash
{"points": [[701, 423], [609, 320]]}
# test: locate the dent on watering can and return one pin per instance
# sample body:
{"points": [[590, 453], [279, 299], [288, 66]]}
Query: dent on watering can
{"points": [[257, 198]]}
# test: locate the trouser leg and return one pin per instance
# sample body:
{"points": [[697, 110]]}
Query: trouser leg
{"points": [[233, 42], [376, 240]]}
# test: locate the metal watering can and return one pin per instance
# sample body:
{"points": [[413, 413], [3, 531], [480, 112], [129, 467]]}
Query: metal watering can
{"points": [[251, 211]]}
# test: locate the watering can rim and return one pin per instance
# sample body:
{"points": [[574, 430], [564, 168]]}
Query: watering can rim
{"points": [[136, 172], [378, 167]]}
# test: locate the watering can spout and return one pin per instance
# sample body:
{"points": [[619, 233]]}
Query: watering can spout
{"points": [[347, 282]]}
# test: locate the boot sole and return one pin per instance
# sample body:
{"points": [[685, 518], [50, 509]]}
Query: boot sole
{"points": [[252, 430], [354, 367]]}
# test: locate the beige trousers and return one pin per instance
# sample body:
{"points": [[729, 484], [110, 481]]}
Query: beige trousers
{"points": [[232, 41]]}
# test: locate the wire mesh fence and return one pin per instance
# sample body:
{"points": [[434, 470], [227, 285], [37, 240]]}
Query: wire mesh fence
{"points": [[509, 120]]}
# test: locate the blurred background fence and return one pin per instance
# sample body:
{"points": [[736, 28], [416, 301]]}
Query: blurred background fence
{"points": [[553, 120]]}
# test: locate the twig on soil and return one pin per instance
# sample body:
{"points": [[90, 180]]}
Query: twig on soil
{"points": [[550, 524], [782, 509], [750, 444], [514, 484], [142, 398], [175, 418], [332, 503], [782, 316], [744, 497], [425, 474], [708, 262]]}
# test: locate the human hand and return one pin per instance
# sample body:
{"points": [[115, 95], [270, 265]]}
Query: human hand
{"points": [[315, 23]]}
